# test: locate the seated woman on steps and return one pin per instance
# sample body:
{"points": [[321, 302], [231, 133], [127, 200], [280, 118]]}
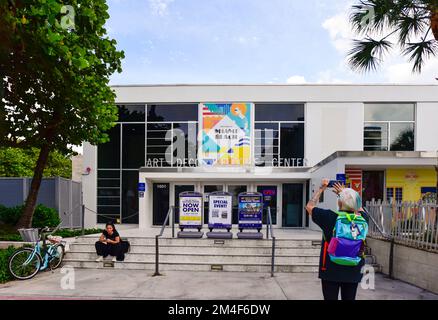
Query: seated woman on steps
{"points": [[110, 244]]}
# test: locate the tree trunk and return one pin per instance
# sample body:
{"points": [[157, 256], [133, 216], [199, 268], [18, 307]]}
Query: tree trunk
{"points": [[434, 22], [29, 208]]}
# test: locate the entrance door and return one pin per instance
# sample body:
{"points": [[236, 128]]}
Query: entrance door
{"points": [[179, 189], [235, 190], [160, 194], [270, 196], [292, 206], [209, 188]]}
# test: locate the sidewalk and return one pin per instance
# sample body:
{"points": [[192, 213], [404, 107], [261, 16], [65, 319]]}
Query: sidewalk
{"points": [[129, 284]]}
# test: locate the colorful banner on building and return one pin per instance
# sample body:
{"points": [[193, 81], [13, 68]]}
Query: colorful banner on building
{"points": [[354, 179], [220, 210], [250, 210], [190, 209], [226, 134]]}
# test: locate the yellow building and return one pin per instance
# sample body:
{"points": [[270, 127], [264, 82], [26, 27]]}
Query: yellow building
{"points": [[409, 184]]}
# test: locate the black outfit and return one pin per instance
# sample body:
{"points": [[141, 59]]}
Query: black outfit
{"points": [[335, 276], [117, 250]]}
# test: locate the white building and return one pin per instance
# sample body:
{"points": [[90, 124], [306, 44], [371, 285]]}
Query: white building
{"points": [[276, 139]]}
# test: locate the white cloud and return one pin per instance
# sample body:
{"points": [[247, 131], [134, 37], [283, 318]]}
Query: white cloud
{"points": [[395, 69], [296, 80], [160, 7], [340, 32], [326, 77], [402, 73], [246, 40]]}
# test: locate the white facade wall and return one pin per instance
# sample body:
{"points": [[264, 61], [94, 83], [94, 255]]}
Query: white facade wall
{"points": [[334, 122], [332, 127], [426, 135], [89, 185]]}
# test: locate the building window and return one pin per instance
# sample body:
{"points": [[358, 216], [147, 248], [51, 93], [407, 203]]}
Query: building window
{"points": [[118, 163], [108, 196], [133, 146], [389, 127], [394, 194], [131, 113], [172, 135], [108, 154], [279, 135]]}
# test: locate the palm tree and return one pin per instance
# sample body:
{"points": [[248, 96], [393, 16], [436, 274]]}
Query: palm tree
{"points": [[411, 25]]}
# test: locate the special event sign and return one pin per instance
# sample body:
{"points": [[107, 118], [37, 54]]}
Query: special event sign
{"points": [[190, 209], [226, 134], [250, 210], [220, 210]]}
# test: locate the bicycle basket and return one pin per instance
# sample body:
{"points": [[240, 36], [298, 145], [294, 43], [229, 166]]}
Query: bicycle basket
{"points": [[29, 235]]}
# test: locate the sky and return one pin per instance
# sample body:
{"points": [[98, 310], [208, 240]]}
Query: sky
{"points": [[243, 41]]}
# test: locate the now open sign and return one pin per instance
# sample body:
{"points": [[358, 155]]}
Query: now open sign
{"points": [[190, 209]]}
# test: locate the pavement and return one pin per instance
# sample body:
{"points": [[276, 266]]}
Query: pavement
{"points": [[136, 284]]}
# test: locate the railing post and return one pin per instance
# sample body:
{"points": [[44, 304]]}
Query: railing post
{"points": [[83, 219], [391, 259], [273, 257], [157, 254], [173, 222], [268, 218]]}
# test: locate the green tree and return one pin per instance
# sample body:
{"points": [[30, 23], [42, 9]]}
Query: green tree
{"points": [[410, 25], [55, 64], [15, 162]]}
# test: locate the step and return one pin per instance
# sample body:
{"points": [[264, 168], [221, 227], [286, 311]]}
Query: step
{"points": [[213, 250], [211, 242], [203, 258], [265, 268]]}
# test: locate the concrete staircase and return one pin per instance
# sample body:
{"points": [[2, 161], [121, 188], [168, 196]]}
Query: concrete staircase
{"points": [[371, 259], [236, 255]]}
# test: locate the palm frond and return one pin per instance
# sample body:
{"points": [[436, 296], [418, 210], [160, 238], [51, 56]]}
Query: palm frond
{"points": [[374, 15], [419, 52], [367, 54], [410, 26]]}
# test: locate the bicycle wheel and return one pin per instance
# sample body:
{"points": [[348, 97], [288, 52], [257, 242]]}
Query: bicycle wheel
{"points": [[56, 255], [24, 264]]}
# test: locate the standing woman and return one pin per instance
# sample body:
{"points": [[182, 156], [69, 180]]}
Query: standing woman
{"points": [[109, 244], [337, 276]]}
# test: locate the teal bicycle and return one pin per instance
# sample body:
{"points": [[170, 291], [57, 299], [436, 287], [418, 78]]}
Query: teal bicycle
{"points": [[26, 262]]}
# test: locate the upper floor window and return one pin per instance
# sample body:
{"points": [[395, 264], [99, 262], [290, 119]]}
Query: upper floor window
{"points": [[172, 135], [389, 127], [279, 135], [131, 113]]}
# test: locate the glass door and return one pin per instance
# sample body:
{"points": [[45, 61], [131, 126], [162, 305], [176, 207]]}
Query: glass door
{"points": [[179, 189], [207, 190], [292, 205], [235, 190], [270, 199]]}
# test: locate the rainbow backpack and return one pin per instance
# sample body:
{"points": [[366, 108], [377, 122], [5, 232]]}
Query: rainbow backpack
{"points": [[347, 245]]}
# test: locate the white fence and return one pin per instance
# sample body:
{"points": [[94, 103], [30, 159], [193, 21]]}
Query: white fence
{"points": [[413, 224]]}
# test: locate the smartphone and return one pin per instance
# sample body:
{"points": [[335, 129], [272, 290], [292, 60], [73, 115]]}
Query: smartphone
{"points": [[332, 183]]}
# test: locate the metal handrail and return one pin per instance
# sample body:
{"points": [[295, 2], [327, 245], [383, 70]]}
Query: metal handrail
{"points": [[157, 250], [269, 228], [388, 237]]}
